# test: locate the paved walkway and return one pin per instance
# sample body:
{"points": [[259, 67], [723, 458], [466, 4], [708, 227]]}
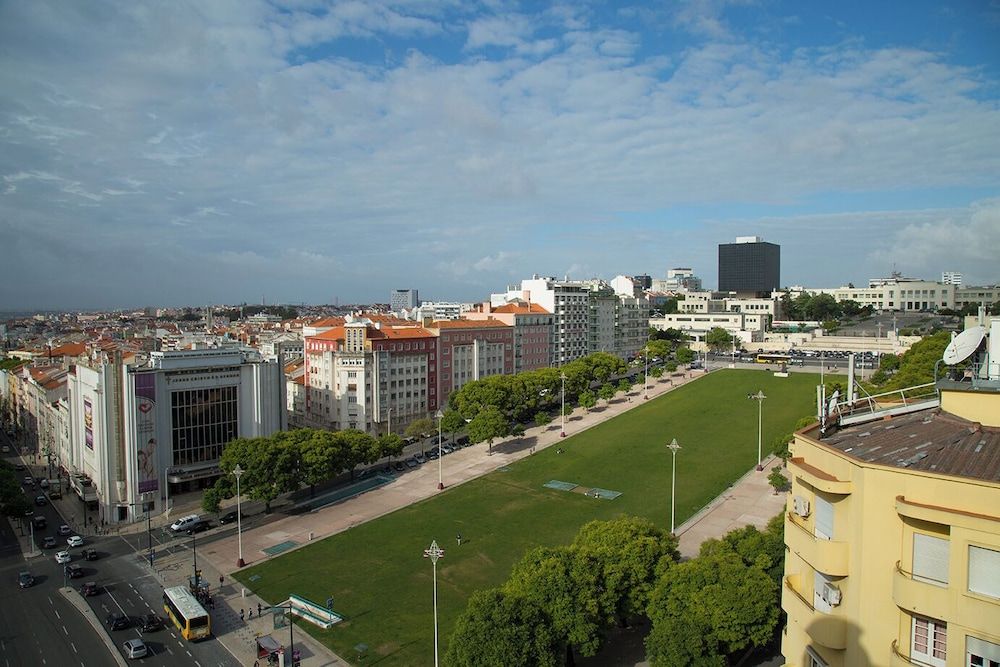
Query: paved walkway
{"points": [[749, 501]]}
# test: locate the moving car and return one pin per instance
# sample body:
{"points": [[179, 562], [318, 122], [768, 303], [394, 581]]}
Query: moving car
{"points": [[49, 542], [63, 557], [54, 494], [75, 541], [134, 648], [89, 554], [89, 589], [74, 571], [41, 501], [197, 527], [25, 580], [28, 480], [151, 623], [118, 621], [65, 530], [184, 522], [39, 521]]}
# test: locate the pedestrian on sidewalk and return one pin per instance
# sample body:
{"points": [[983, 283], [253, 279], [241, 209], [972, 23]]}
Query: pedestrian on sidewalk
{"points": [[241, 616], [258, 610], [220, 581], [251, 613]]}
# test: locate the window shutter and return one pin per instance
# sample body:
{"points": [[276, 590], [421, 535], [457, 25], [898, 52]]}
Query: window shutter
{"points": [[930, 558], [824, 518], [984, 571]]}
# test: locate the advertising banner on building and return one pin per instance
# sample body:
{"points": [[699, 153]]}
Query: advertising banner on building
{"points": [[88, 423], [145, 432]]}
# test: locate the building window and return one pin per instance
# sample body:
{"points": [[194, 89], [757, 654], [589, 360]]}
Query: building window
{"points": [[928, 641], [984, 571], [202, 422], [981, 653], [824, 519], [930, 559], [813, 660]]}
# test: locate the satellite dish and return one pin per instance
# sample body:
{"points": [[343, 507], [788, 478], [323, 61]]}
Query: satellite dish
{"points": [[963, 345]]}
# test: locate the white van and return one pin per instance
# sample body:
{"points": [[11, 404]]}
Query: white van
{"points": [[184, 522]]}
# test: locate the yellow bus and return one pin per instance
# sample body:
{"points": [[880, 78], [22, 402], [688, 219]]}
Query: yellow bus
{"points": [[186, 613], [766, 358]]}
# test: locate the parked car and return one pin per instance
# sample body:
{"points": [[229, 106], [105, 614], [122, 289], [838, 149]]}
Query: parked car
{"points": [[151, 623], [25, 579], [229, 517], [432, 454], [420, 458], [134, 648], [447, 449], [118, 622], [55, 494], [63, 557], [49, 542], [89, 554], [412, 463], [75, 541], [44, 483], [39, 521], [89, 589], [399, 466], [28, 480], [65, 530], [184, 522], [198, 527], [74, 571], [41, 501]]}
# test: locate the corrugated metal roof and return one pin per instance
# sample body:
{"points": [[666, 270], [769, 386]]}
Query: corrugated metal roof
{"points": [[929, 440]]}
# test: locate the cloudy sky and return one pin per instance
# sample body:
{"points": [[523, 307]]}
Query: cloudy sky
{"points": [[171, 153]]}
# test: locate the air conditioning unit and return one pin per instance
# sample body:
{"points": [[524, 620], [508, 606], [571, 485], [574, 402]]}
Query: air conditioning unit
{"points": [[831, 594], [800, 505]]}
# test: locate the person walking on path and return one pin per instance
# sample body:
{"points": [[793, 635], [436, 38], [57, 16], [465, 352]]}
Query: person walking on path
{"points": [[459, 538], [241, 616], [258, 610]]}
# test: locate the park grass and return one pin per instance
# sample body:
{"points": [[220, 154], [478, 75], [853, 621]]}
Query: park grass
{"points": [[382, 586]]}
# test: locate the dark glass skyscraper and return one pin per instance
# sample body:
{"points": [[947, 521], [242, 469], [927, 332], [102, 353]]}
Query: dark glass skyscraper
{"points": [[749, 266]]}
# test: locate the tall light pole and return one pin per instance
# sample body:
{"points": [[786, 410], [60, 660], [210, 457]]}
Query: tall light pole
{"points": [[645, 372], [440, 416], [562, 411], [434, 553], [673, 447], [238, 472], [759, 397]]}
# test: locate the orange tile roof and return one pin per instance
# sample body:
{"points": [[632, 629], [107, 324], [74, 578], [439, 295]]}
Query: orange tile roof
{"points": [[70, 350], [520, 308], [406, 332], [467, 324], [336, 333]]}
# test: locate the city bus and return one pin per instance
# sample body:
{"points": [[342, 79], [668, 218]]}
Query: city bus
{"points": [[186, 613], [766, 358]]}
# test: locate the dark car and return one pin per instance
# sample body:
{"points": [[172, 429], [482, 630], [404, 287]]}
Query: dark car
{"points": [[25, 580], [398, 466], [88, 589], [118, 621], [74, 571], [151, 623], [49, 542], [198, 527], [41, 501], [39, 521], [89, 554], [229, 517], [54, 494]]}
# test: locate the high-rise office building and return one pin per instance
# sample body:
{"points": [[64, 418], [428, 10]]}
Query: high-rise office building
{"points": [[403, 298], [750, 265]]}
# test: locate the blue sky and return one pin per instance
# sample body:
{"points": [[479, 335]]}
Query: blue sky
{"points": [[194, 153]]}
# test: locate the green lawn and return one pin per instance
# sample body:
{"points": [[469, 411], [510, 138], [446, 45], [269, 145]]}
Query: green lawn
{"points": [[382, 585]]}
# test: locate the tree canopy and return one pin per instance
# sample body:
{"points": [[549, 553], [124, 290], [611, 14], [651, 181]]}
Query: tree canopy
{"points": [[488, 425], [502, 628]]}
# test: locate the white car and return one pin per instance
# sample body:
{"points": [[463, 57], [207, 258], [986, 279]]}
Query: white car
{"points": [[63, 557], [75, 541], [184, 522], [134, 648]]}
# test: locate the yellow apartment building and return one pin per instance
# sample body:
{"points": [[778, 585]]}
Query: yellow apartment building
{"points": [[893, 537]]}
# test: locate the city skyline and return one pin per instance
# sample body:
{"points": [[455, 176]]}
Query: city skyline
{"points": [[186, 154]]}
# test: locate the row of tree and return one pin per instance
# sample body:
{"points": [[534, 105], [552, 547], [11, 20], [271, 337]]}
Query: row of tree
{"points": [[819, 307], [290, 460], [560, 601], [13, 502]]}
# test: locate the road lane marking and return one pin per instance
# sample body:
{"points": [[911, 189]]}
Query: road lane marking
{"points": [[56, 612], [169, 651], [73, 646], [65, 631]]}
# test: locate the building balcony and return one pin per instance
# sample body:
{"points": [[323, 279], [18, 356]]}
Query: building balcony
{"points": [[918, 596], [827, 556], [820, 479], [829, 630], [898, 659]]}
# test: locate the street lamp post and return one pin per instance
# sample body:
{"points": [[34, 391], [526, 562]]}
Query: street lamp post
{"points": [[645, 373], [673, 447], [238, 472], [562, 411], [434, 553], [759, 397], [439, 416]]}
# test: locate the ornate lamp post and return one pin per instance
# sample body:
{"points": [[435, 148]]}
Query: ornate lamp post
{"points": [[238, 472], [434, 553], [562, 411], [759, 397], [673, 447], [439, 416]]}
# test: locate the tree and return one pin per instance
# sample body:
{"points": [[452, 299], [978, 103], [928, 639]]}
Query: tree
{"points": [[606, 392], [850, 307], [780, 446], [777, 480], [501, 628], [587, 399], [888, 362], [211, 500], [671, 367], [452, 422], [419, 428], [391, 445], [626, 552], [624, 385], [709, 607], [488, 425], [657, 371], [542, 418], [718, 338], [823, 307], [659, 349], [564, 583], [684, 355]]}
